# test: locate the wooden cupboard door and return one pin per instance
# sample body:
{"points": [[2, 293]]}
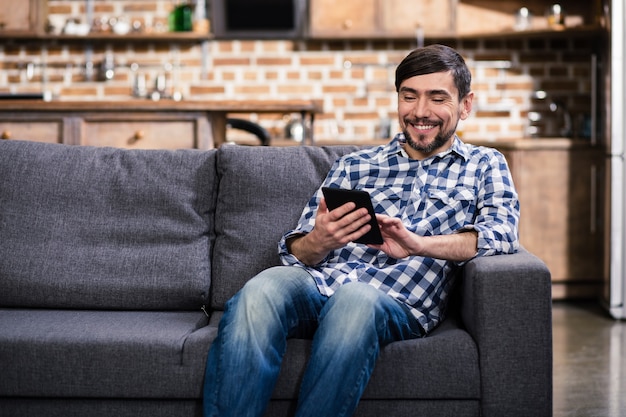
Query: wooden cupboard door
{"points": [[487, 16], [23, 16], [140, 134], [402, 17], [36, 131], [560, 198], [14, 16], [343, 18]]}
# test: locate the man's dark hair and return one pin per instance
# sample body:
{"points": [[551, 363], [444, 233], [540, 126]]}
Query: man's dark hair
{"points": [[435, 58]]}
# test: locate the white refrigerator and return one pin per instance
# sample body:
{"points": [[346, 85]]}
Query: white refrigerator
{"points": [[615, 88]]}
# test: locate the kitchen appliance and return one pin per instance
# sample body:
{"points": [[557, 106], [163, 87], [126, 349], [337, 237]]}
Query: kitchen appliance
{"points": [[295, 129], [549, 117], [258, 19], [615, 283]]}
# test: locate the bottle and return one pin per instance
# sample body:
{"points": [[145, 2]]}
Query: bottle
{"points": [[180, 19], [171, 18], [200, 21]]}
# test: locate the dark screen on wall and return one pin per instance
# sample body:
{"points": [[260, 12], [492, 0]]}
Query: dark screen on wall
{"points": [[259, 15]]}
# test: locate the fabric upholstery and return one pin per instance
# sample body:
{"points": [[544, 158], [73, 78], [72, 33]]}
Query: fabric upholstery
{"points": [[262, 193], [107, 256], [510, 317], [103, 354], [97, 407], [68, 212]]}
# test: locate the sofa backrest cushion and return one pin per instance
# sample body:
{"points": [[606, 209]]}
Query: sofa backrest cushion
{"points": [[84, 227], [262, 192]]}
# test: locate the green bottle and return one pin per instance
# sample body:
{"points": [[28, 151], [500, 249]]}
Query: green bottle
{"points": [[180, 19], [184, 15]]}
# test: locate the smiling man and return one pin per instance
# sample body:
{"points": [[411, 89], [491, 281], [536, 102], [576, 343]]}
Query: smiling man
{"points": [[439, 202]]}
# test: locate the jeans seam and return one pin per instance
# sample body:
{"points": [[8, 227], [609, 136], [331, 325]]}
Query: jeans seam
{"points": [[371, 357]]}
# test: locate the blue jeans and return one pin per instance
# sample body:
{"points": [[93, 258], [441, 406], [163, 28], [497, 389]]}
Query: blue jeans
{"points": [[348, 329]]}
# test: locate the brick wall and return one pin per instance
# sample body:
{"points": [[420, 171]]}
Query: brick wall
{"points": [[352, 79]]}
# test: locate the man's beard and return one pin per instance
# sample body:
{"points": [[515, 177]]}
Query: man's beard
{"points": [[440, 140]]}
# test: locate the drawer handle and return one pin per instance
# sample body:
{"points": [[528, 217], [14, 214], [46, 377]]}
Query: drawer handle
{"points": [[6, 134], [139, 134]]}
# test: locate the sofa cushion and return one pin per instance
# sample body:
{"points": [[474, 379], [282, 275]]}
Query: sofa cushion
{"points": [[103, 354], [104, 228], [262, 191]]}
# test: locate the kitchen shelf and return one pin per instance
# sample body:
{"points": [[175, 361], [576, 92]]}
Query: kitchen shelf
{"points": [[193, 37], [109, 37], [576, 31]]}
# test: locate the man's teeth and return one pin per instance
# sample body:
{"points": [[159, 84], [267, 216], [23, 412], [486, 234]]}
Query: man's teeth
{"points": [[424, 127]]}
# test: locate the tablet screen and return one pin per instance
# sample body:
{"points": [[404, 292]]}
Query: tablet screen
{"points": [[336, 197]]}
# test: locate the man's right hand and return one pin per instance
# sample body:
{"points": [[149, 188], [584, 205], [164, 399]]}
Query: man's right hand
{"points": [[332, 230]]}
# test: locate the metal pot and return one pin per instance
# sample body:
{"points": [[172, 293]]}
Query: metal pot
{"points": [[295, 129]]}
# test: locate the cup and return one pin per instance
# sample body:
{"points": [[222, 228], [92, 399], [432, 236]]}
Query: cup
{"points": [[556, 16], [523, 19]]}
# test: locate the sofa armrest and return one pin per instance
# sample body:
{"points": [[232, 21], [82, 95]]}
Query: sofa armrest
{"points": [[506, 305]]}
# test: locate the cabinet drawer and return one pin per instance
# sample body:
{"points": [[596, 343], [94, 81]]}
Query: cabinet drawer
{"points": [[343, 18], [49, 131], [152, 134], [403, 18]]}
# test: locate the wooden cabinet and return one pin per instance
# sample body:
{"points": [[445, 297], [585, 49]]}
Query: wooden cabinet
{"points": [[400, 17], [142, 131], [50, 131], [26, 16], [380, 18], [560, 190], [438, 18], [135, 130], [341, 18]]}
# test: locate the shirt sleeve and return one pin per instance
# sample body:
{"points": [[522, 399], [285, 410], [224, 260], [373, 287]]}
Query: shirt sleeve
{"points": [[498, 209]]}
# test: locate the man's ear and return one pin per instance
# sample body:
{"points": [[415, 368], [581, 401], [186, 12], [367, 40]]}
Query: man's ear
{"points": [[466, 105]]}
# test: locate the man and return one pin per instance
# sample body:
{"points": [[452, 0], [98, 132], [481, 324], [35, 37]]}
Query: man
{"points": [[439, 202]]}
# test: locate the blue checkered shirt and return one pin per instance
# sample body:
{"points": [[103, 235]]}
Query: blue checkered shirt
{"points": [[463, 188]]}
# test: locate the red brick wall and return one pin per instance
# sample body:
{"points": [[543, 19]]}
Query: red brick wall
{"points": [[352, 79]]}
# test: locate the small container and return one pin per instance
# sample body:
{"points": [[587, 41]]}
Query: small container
{"points": [[556, 16], [523, 19], [160, 84], [107, 67], [139, 85]]}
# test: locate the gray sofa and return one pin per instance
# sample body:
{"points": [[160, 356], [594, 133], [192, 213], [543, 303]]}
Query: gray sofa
{"points": [[109, 260]]}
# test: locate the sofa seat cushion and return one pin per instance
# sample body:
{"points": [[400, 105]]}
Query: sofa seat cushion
{"points": [[442, 366], [103, 354], [104, 228], [262, 191]]}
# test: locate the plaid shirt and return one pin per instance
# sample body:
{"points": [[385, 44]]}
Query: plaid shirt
{"points": [[463, 188]]}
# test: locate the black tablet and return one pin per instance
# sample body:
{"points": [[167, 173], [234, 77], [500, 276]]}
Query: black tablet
{"points": [[337, 197]]}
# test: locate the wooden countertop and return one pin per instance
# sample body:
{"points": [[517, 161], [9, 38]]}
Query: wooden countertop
{"points": [[227, 106], [534, 143], [214, 111]]}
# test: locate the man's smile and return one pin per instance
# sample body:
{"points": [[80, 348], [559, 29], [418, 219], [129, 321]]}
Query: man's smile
{"points": [[423, 126]]}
